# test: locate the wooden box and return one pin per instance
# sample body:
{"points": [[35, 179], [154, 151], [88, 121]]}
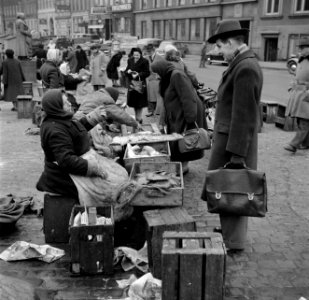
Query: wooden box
{"points": [[154, 197], [193, 266], [162, 147], [270, 109], [24, 107], [158, 221], [28, 90], [283, 122], [57, 212], [92, 246]]}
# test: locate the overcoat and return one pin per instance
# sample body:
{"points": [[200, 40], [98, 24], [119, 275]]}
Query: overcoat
{"points": [[134, 98], [51, 76], [13, 77], [236, 129], [23, 39], [98, 64]]}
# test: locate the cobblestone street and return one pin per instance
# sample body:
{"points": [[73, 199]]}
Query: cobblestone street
{"points": [[274, 266]]}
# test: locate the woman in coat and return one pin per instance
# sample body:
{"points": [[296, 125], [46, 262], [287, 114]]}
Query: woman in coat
{"points": [[183, 107], [237, 118], [13, 77], [98, 64], [112, 67], [137, 70], [63, 141], [50, 74]]}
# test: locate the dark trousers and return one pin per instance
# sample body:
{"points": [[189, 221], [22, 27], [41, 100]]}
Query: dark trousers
{"points": [[302, 135]]}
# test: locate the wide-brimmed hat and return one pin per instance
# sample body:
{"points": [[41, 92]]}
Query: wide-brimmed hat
{"points": [[304, 42], [226, 29]]}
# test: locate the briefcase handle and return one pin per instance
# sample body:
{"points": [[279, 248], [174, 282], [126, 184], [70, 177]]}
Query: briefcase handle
{"points": [[235, 166]]}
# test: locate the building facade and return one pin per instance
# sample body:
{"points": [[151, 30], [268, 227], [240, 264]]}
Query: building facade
{"points": [[47, 16]]}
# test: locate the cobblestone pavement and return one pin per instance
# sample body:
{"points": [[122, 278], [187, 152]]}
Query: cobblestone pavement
{"points": [[274, 266]]}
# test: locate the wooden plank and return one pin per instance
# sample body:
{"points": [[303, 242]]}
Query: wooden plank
{"points": [[170, 280], [215, 269], [190, 235], [190, 270]]}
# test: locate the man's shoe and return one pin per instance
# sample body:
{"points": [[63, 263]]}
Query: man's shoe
{"points": [[290, 148], [302, 147], [149, 114]]}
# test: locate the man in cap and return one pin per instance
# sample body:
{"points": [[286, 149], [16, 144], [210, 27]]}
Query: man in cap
{"points": [[237, 117], [298, 105]]}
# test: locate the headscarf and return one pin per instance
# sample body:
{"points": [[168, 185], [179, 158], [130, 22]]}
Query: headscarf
{"points": [[164, 69], [53, 55], [52, 105], [114, 93], [63, 68]]}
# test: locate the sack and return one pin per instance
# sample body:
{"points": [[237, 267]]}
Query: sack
{"points": [[240, 192], [194, 139], [138, 86]]}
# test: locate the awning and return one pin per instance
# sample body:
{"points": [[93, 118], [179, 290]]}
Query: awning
{"points": [[100, 26]]}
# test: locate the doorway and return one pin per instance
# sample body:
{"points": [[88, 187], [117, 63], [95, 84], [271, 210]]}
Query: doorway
{"points": [[271, 49]]}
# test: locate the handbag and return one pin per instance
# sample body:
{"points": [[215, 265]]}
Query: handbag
{"points": [[240, 192], [194, 139], [138, 85]]}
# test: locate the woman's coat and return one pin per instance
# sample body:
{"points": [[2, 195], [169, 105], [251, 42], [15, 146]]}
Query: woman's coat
{"points": [[98, 64]]}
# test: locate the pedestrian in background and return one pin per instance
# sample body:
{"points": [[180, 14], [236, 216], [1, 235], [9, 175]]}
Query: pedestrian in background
{"points": [[81, 58], [112, 68], [50, 74], [237, 117], [13, 77], [203, 55], [40, 55], [183, 107], [98, 64], [298, 105], [23, 37], [137, 70]]}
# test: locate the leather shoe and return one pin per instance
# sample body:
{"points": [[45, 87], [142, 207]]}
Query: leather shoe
{"points": [[290, 148], [217, 229]]}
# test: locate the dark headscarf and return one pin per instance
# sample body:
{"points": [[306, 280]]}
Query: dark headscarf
{"points": [[52, 105], [164, 69]]}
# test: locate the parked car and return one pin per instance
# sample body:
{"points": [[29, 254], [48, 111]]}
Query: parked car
{"points": [[181, 47], [214, 57], [292, 63], [143, 43]]}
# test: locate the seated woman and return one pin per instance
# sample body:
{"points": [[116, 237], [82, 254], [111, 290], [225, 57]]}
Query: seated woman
{"points": [[63, 141]]}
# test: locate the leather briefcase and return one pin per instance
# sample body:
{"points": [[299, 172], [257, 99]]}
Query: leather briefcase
{"points": [[240, 192]]}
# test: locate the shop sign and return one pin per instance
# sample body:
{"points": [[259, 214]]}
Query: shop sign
{"points": [[95, 10], [43, 21], [122, 7]]}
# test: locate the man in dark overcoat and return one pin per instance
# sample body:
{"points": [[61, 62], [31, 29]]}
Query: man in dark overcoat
{"points": [[13, 77], [237, 117]]}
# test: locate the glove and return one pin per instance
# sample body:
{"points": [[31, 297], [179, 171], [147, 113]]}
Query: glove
{"points": [[237, 160], [95, 170], [96, 116]]}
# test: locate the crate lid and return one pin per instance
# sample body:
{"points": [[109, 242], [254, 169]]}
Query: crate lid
{"points": [[24, 97]]}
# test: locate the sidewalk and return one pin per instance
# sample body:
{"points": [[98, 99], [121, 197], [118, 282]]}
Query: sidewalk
{"points": [[274, 266]]}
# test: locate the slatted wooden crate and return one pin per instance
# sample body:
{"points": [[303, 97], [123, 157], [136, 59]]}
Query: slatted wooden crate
{"points": [[158, 221], [270, 109], [162, 147], [92, 246], [155, 197], [24, 106], [193, 266], [283, 122]]}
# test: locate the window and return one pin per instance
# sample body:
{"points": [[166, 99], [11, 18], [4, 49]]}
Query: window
{"points": [[156, 3], [144, 29], [301, 6], [168, 29], [144, 4], [156, 29], [168, 3], [272, 7], [182, 2], [181, 29], [195, 29], [196, 1]]}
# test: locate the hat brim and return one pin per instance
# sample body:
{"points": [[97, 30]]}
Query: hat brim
{"points": [[227, 34]]}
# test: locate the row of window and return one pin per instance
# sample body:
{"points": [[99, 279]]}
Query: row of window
{"points": [[145, 4], [274, 7]]}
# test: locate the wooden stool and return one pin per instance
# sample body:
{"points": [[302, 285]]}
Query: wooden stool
{"points": [[269, 110], [24, 106], [158, 221], [193, 266], [57, 212]]}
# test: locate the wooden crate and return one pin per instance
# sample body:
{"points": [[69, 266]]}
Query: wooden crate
{"points": [[162, 147], [57, 212], [193, 266], [283, 122], [24, 106], [28, 90], [158, 221], [270, 109], [153, 197], [92, 246]]}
